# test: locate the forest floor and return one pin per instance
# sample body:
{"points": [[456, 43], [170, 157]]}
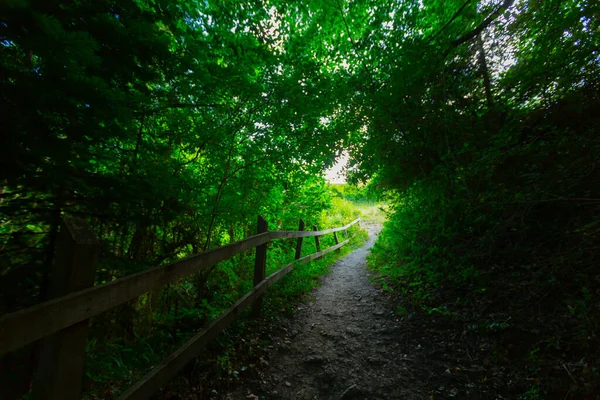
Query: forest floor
{"points": [[345, 341], [342, 344], [352, 340]]}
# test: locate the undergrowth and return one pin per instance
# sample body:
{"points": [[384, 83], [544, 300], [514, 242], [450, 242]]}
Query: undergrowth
{"points": [[113, 366], [506, 250]]}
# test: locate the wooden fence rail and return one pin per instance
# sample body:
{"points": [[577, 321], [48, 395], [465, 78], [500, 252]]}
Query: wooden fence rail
{"points": [[161, 374], [68, 310]]}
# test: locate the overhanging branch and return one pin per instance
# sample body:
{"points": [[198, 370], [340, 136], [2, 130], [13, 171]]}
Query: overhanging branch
{"points": [[481, 27], [456, 14]]}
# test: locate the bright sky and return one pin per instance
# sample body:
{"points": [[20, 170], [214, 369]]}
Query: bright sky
{"points": [[336, 174]]}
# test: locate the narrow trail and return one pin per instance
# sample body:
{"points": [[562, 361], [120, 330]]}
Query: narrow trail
{"points": [[343, 345]]}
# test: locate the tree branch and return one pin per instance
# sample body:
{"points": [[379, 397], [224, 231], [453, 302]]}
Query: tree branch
{"points": [[178, 105], [354, 45], [456, 14], [470, 35]]}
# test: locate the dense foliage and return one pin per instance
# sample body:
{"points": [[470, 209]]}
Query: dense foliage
{"points": [[483, 130], [170, 125]]}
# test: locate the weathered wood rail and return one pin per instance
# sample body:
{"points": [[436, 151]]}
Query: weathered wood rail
{"points": [[60, 325]]}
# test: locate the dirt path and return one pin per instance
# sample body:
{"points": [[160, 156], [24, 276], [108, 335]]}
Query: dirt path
{"points": [[343, 345]]}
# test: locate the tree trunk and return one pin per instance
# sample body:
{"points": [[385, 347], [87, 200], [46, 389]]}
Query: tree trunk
{"points": [[483, 68]]}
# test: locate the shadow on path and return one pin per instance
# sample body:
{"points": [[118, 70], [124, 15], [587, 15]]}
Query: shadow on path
{"points": [[342, 345]]}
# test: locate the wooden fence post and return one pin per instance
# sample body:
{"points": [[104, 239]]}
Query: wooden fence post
{"points": [[59, 374], [299, 241], [260, 265], [317, 241], [337, 241]]}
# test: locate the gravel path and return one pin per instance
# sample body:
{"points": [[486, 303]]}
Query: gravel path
{"points": [[344, 344]]}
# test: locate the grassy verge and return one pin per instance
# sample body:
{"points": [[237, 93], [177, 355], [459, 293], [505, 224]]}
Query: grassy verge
{"points": [[114, 366], [512, 329]]}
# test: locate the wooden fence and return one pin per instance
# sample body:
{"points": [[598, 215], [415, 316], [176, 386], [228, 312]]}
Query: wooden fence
{"points": [[60, 324]]}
